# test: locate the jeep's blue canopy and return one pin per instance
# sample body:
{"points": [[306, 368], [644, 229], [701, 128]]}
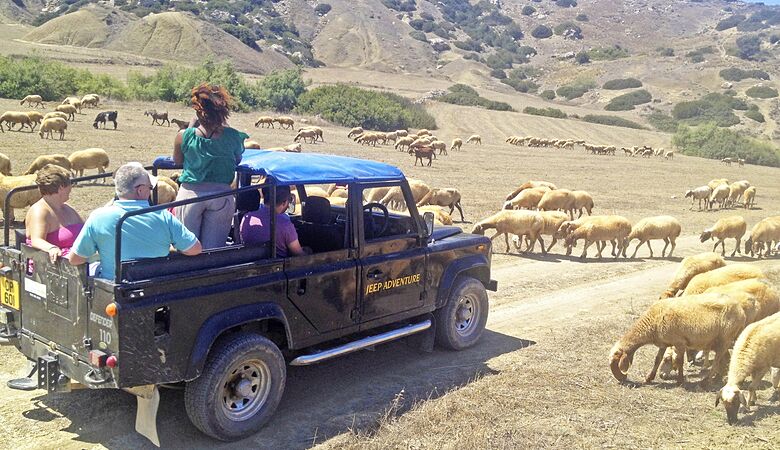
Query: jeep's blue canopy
{"points": [[303, 168]]}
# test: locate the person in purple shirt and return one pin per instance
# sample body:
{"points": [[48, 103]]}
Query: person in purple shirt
{"points": [[256, 225]]}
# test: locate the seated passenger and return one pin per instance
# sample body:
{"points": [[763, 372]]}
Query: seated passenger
{"points": [[256, 225], [52, 225], [148, 235]]}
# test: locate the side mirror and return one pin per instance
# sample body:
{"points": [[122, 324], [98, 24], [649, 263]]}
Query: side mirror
{"points": [[428, 219]]}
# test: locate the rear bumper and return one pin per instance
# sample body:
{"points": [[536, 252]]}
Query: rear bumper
{"points": [[492, 285]]}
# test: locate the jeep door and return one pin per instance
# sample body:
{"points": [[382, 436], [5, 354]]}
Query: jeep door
{"points": [[392, 261]]}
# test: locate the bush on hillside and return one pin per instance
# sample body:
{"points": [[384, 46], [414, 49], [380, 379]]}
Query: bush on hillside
{"points": [[774, 39], [419, 35], [755, 114], [709, 141], [572, 91], [351, 107], [613, 121], [569, 30], [547, 112], [608, 53], [548, 94], [749, 47], [665, 51], [581, 17], [761, 92], [542, 32], [528, 10], [461, 94], [622, 83], [662, 122], [498, 74], [737, 74], [582, 58], [729, 22], [628, 100], [524, 86], [280, 90], [400, 5], [566, 3], [322, 9], [701, 111]]}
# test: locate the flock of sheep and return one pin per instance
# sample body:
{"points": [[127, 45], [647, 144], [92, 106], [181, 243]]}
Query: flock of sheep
{"points": [[55, 121], [723, 193], [710, 306], [643, 151]]}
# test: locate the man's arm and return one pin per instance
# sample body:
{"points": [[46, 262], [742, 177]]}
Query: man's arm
{"points": [[178, 156], [196, 249], [75, 259]]}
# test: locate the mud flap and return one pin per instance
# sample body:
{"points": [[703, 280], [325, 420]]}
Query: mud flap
{"points": [[146, 412]]}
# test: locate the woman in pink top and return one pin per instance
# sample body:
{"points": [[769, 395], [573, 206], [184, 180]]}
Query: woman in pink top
{"points": [[52, 225]]}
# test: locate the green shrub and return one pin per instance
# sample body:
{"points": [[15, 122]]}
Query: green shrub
{"points": [[498, 73], [628, 100], [280, 90], [697, 58], [665, 51], [709, 141], [622, 83], [541, 32], [547, 112], [322, 9], [613, 121], [566, 3], [548, 94], [582, 58], [608, 53], [761, 92], [568, 29], [523, 86], [755, 115], [702, 111], [351, 107], [528, 10], [419, 35], [426, 16], [729, 22], [572, 91], [749, 47], [581, 18], [461, 94], [774, 39], [400, 5], [662, 122], [737, 74]]}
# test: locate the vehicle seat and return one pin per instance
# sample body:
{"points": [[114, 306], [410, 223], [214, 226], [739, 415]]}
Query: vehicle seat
{"points": [[245, 202], [317, 228], [316, 210]]}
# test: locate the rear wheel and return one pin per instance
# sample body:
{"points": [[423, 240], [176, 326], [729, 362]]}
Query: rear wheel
{"points": [[240, 387], [460, 323]]}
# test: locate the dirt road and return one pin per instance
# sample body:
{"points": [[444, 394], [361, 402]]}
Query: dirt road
{"points": [[536, 296]]}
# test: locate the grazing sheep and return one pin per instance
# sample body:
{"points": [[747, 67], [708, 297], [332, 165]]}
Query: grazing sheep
{"points": [[727, 161], [421, 153], [669, 154], [61, 115], [317, 131], [659, 227], [529, 185], [21, 199], [559, 199], [717, 182], [700, 193], [741, 162], [441, 146], [306, 134], [35, 119], [689, 268], [457, 143], [520, 223], [394, 197], [376, 194], [600, 230], [401, 133], [5, 164], [107, 116], [285, 122], [167, 189], [720, 195], [68, 109], [582, 199], [749, 197], [53, 124], [756, 350], [443, 197], [733, 227], [357, 131], [763, 301], [762, 235], [161, 117], [440, 217], [423, 132], [90, 100], [30, 99], [720, 276], [552, 222], [736, 189], [475, 138], [182, 124], [91, 158], [69, 99], [41, 161], [14, 117], [262, 121], [702, 322], [527, 198], [404, 142]]}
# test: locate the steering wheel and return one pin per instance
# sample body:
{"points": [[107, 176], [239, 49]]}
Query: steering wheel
{"points": [[384, 221]]}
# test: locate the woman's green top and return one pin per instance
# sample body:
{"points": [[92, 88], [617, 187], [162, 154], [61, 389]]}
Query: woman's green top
{"points": [[211, 160]]}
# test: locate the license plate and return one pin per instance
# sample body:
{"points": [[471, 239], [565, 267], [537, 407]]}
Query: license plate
{"points": [[9, 293]]}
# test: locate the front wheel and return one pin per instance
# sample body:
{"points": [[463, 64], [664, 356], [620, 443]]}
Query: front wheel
{"points": [[460, 322], [240, 387]]}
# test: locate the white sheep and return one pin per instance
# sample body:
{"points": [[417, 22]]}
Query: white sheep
{"points": [[21, 199], [90, 100], [68, 109], [264, 120], [457, 143], [53, 124], [506, 222], [733, 227], [691, 266], [736, 189], [167, 189], [701, 322], [720, 195], [5, 164], [41, 161], [722, 276], [529, 185], [394, 198], [658, 227], [757, 297], [559, 199], [440, 216], [749, 197], [756, 350], [474, 138], [30, 99], [582, 200], [449, 197], [527, 198], [700, 193], [14, 117], [35, 118], [762, 235], [52, 114], [306, 134], [599, 230], [91, 158], [357, 131], [552, 222]]}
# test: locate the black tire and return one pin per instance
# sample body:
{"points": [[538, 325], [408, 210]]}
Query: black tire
{"points": [[224, 409], [461, 321]]}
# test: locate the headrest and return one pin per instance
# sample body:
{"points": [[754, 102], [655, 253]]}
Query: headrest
{"points": [[248, 201], [316, 210]]}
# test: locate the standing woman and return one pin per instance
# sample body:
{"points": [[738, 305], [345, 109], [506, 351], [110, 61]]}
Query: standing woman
{"points": [[210, 151]]}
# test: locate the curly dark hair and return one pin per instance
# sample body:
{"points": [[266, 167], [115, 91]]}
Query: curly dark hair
{"points": [[51, 178], [211, 104]]}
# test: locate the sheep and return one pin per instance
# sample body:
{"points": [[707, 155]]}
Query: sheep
{"points": [[57, 160], [717, 182], [167, 189], [443, 197], [559, 199], [162, 117], [109, 116], [264, 120], [582, 199], [756, 350], [376, 194], [91, 100], [21, 199], [700, 193], [422, 152], [91, 158], [749, 197], [720, 194], [53, 124], [736, 189], [403, 142], [182, 124], [441, 146], [552, 222], [357, 131], [520, 223], [401, 133], [741, 162], [529, 185], [727, 161], [440, 216], [285, 122], [423, 132], [475, 138], [70, 110], [5, 164], [248, 143], [763, 301], [527, 198], [669, 154], [689, 268], [762, 235], [14, 117], [69, 99], [306, 134], [394, 197], [317, 131], [659, 227], [720, 276], [705, 322], [76, 104], [61, 115], [600, 229], [30, 99], [35, 118], [727, 227], [457, 143]]}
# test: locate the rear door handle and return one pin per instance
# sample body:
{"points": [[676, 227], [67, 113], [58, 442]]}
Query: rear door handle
{"points": [[375, 274]]}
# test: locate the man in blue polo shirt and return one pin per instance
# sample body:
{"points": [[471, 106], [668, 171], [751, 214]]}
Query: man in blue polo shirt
{"points": [[148, 235]]}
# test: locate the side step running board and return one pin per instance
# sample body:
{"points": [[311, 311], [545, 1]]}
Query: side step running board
{"points": [[360, 344]]}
